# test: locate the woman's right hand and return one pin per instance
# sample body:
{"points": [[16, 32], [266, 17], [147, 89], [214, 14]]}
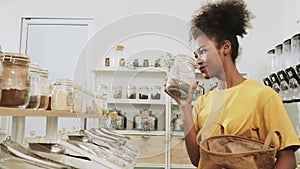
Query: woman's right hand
{"points": [[181, 101]]}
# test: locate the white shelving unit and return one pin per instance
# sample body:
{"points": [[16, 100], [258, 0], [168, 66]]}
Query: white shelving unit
{"points": [[164, 138]]}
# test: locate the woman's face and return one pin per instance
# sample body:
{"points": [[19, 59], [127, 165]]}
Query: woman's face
{"points": [[208, 57]]}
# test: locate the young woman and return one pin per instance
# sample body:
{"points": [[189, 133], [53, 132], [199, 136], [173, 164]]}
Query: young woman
{"points": [[243, 106]]}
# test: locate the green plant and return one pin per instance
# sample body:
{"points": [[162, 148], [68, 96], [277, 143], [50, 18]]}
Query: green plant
{"points": [[168, 60]]}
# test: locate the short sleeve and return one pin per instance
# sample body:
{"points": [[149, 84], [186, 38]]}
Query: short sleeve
{"points": [[275, 117]]}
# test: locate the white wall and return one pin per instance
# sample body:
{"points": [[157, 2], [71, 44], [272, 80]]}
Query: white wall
{"points": [[275, 21]]}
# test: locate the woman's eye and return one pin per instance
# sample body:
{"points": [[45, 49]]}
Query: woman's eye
{"points": [[202, 51]]}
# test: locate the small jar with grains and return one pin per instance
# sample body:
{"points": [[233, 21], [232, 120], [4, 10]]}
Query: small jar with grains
{"points": [[131, 92], [156, 93], [62, 96], [144, 92], [15, 83], [44, 101], [181, 76], [117, 91], [35, 86]]}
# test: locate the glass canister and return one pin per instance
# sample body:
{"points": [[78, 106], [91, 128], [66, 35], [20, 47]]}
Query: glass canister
{"points": [[144, 92], [100, 101], [35, 86], [286, 54], [15, 84], [271, 53], [156, 93], [181, 76], [278, 57], [44, 101], [118, 57], [62, 96], [77, 98], [295, 49], [131, 92], [117, 91], [51, 86]]}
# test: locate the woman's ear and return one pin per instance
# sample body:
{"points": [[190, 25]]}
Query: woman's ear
{"points": [[226, 47]]}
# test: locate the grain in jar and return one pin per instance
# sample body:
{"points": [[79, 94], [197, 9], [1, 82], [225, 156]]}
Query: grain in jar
{"points": [[62, 96], [181, 76], [15, 84], [35, 86], [44, 101]]}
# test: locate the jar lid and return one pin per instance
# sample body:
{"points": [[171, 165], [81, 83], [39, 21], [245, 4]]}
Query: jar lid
{"points": [[66, 82], [119, 47], [77, 86], [296, 37], [8, 56], [271, 51], [34, 67], [131, 87], [44, 72], [187, 59], [287, 42]]}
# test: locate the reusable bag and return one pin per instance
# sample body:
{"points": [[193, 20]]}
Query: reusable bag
{"points": [[236, 152]]}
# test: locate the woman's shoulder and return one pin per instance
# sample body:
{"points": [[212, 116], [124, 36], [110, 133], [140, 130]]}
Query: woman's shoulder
{"points": [[257, 88]]}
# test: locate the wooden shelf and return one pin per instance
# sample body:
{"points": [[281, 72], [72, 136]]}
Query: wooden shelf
{"points": [[5, 111]]}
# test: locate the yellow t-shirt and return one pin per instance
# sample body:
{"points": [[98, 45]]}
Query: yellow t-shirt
{"points": [[249, 109]]}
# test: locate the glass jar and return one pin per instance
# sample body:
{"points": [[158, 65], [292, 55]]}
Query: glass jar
{"points": [[118, 57], [144, 92], [51, 86], [62, 96], [89, 100], [146, 63], [295, 49], [181, 76], [286, 54], [117, 91], [278, 57], [131, 92], [44, 101], [271, 53], [156, 93], [35, 86], [15, 83], [100, 102], [77, 98]]}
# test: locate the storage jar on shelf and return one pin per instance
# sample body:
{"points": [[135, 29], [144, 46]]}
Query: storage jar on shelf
{"points": [[35, 86], [131, 92], [77, 98], [144, 92], [156, 93], [62, 96], [15, 84], [44, 100]]}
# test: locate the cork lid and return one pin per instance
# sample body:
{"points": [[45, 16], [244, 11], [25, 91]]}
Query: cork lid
{"points": [[8, 56]]}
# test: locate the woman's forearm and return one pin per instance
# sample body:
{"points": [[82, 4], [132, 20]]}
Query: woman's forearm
{"points": [[190, 135]]}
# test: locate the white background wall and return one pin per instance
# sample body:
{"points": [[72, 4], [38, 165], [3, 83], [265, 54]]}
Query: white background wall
{"points": [[275, 21]]}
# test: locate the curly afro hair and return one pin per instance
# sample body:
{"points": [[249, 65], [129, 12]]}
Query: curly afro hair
{"points": [[222, 20]]}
